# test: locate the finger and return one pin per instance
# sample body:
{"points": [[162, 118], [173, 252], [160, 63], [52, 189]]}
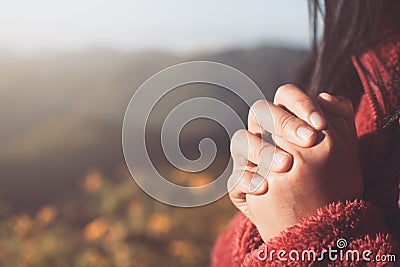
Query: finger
{"points": [[340, 126], [244, 182], [246, 146], [265, 116], [301, 105], [339, 106]]}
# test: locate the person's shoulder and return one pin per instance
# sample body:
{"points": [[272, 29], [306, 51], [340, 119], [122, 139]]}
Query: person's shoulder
{"points": [[385, 52], [378, 66]]}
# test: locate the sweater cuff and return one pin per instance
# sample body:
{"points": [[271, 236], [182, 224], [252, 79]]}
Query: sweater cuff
{"points": [[349, 221]]}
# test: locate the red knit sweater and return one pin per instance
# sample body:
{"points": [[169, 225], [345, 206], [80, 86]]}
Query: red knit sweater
{"points": [[371, 223]]}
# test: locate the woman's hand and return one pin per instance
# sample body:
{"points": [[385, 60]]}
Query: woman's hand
{"points": [[312, 169], [254, 158]]}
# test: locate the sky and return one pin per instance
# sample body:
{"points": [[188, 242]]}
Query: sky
{"points": [[175, 25]]}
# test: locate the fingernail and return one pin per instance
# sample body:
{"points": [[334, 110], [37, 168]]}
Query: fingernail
{"points": [[329, 97], [317, 120], [279, 158], [304, 133], [255, 183]]}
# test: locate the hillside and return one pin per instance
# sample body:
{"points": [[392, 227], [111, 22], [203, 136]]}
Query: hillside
{"points": [[61, 114], [66, 197]]}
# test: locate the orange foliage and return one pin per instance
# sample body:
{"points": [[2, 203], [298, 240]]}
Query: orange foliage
{"points": [[199, 180], [21, 225], [95, 230], [93, 181], [159, 224], [46, 215]]}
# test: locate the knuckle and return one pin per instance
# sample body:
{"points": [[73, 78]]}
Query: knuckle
{"points": [[258, 110], [286, 123], [237, 138], [305, 102], [283, 91], [232, 183], [238, 135], [258, 104], [284, 88], [265, 150], [235, 180], [238, 182]]}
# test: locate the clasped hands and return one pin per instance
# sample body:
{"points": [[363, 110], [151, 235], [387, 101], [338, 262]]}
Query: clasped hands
{"points": [[315, 160]]}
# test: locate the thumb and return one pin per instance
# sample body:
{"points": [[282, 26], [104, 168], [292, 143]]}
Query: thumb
{"points": [[338, 106]]}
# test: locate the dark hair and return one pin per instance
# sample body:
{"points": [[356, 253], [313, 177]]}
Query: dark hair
{"points": [[348, 27]]}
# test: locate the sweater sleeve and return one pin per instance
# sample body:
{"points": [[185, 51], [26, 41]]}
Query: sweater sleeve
{"points": [[355, 226], [223, 248], [350, 226]]}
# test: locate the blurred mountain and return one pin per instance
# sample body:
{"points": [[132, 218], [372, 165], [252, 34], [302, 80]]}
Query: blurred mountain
{"points": [[61, 114]]}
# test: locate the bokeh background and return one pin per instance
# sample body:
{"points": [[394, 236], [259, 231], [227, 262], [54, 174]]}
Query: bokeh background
{"points": [[67, 72]]}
